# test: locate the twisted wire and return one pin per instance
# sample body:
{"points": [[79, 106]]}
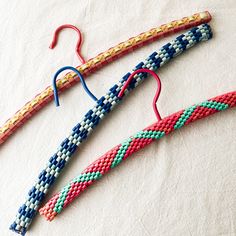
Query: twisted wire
{"points": [[133, 144], [43, 98], [92, 118]]}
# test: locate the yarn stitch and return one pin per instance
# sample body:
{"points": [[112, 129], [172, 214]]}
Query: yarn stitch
{"points": [[103, 106], [124, 150]]}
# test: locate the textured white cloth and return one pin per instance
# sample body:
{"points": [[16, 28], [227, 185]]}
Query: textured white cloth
{"points": [[183, 184]]}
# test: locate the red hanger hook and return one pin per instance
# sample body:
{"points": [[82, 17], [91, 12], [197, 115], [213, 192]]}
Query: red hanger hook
{"points": [[78, 45], [157, 92]]}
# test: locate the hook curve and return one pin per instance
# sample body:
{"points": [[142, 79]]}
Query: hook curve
{"points": [[157, 92], [78, 45], [54, 84]]}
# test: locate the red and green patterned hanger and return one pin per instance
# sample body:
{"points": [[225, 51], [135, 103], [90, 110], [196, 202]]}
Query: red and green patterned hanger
{"points": [[133, 144]]}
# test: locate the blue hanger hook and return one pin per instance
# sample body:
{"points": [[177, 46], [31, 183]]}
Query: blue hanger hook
{"points": [[54, 84]]}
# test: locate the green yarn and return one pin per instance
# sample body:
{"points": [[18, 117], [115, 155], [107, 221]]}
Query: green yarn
{"points": [[214, 105], [150, 134], [184, 117], [59, 205], [120, 154], [125, 145], [85, 177]]}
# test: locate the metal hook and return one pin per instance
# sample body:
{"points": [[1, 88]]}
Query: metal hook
{"points": [[157, 92], [78, 45], [54, 84]]}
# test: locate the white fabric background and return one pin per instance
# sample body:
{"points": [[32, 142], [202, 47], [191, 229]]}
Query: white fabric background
{"points": [[181, 185]]}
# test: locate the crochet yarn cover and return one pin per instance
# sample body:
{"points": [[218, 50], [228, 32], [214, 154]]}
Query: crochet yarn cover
{"points": [[104, 105], [133, 144]]}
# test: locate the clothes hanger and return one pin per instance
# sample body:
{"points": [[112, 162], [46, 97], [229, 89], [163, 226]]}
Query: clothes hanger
{"points": [[140, 140], [93, 117], [93, 64]]}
